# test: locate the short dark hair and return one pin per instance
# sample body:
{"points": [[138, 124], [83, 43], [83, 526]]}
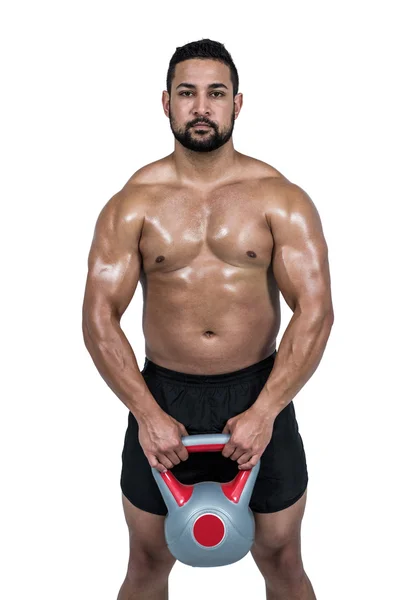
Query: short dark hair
{"points": [[203, 48]]}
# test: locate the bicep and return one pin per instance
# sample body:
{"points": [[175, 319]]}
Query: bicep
{"points": [[114, 261], [300, 254]]}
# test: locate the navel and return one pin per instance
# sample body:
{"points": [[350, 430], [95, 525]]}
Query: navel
{"points": [[251, 254], [209, 334], [160, 258]]}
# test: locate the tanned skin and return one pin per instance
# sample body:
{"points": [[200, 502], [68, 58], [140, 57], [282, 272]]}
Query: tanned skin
{"points": [[213, 237]]}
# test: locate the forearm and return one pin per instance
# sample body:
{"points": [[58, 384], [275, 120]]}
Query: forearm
{"points": [[115, 360], [299, 354]]}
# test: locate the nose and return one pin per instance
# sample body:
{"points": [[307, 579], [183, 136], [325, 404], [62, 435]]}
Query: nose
{"points": [[201, 106]]}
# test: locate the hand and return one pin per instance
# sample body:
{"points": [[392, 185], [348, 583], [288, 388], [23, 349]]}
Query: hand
{"points": [[160, 437], [251, 432]]}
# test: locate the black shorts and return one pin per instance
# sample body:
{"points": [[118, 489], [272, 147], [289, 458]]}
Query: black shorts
{"points": [[203, 404]]}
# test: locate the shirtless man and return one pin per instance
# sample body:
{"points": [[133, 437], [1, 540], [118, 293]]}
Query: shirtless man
{"points": [[212, 235]]}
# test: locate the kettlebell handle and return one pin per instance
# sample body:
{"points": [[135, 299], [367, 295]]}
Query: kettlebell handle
{"points": [[205, 442]]}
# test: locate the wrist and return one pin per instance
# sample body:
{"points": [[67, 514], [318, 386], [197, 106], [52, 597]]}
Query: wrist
{"points": [[145, 408], [265, 408]]}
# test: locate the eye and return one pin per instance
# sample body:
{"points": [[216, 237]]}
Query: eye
{"points": [[186, 92]]}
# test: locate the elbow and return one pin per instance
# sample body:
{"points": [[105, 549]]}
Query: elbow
{"points": [[321, 323], [327, 320], [94, 333], [327, 317], [326, 314], [91, 326], [328, 324], [329, 314], [98, 327], [92, 321], [87, 318], [86, 332], [318, 313]]}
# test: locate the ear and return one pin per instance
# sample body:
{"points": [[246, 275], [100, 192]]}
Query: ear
{"points": [[238, 103], [165, 102]]}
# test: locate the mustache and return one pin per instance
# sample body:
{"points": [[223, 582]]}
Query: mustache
{"points": [[205, 121]]}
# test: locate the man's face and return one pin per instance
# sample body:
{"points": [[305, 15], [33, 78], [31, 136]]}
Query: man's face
{"points": [[201, 91]]}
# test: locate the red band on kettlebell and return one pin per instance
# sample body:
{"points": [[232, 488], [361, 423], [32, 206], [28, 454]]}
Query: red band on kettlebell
{"points": [[233, 489], [180, 491], [205, 448]]}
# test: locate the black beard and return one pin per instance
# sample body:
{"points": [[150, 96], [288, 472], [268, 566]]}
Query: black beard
{"points": [[208, 142]]}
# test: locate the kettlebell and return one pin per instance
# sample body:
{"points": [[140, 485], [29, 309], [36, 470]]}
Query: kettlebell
{"points": [[209, 524]]}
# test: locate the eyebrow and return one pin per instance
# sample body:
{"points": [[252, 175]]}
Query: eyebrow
{"points": [[211, 86]]}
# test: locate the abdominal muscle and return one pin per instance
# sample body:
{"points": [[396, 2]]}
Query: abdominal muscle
{"points": [[210, 326]]}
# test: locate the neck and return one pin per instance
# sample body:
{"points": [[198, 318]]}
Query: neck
{"points": [[204, 167]]}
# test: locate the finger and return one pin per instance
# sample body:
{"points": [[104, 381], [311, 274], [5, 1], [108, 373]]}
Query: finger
{"points": [[237, 454], [157, 465], [240, 452], [165, 461], [182, 429], [173, 457], [182, 452], [250, 464], [245, 458], [228, 449]]}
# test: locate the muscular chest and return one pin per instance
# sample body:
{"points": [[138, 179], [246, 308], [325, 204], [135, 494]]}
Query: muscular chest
{"points": [[184, 228]]}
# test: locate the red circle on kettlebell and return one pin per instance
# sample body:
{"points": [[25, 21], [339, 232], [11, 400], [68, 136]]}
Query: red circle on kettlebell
{"points": [[209, 530]]}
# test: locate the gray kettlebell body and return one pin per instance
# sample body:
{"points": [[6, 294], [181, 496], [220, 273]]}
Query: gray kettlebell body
{"points": [[209, 524]]}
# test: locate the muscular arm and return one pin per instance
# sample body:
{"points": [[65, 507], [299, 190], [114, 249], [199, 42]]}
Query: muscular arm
{"points": [[301, 269], [113, 273]]}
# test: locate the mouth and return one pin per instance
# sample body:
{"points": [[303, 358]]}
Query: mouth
{"points": [[198, 125]]}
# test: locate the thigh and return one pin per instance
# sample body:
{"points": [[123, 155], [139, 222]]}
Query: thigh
{"points": [[137, 482], [278, 530], [283, 475], [146, 537]]}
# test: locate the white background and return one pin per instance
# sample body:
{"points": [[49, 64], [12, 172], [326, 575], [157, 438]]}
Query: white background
{"points": [[81, 111]]}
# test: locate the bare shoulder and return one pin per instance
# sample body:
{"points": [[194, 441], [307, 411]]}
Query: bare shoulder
{"points": [[293, 218], [128, 205], [256, 168], [286, 201], [155, 173], [279, 195]]}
